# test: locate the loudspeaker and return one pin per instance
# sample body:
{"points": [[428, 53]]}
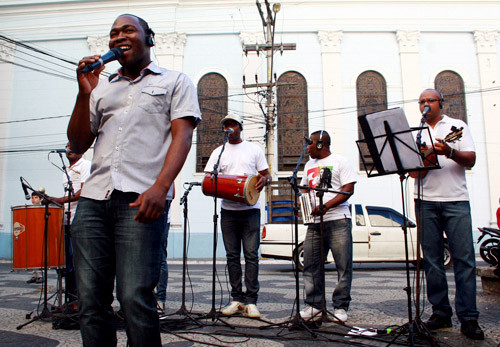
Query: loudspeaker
{"points": [[149, 37], [319, 144]]}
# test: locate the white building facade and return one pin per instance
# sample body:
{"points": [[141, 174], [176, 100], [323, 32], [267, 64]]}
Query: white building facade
{"points": [[407, 43]]}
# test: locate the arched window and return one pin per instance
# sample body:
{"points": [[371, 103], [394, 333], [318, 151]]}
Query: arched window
{"points": [[371, 95], [292, 119], [212, 97], [451, 85]]}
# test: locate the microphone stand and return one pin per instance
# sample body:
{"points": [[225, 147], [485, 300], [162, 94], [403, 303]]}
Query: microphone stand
{"points": [[182, 310], [67, 232], [296, 322], [214, 314], [46, 314]]}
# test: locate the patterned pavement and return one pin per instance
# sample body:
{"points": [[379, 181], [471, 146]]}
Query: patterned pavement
{"points": [[378, 301]]}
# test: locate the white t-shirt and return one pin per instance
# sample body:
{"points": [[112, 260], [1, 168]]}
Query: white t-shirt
{"points": [[447, 183], [78, 174], [342, 174], [244, 159]]}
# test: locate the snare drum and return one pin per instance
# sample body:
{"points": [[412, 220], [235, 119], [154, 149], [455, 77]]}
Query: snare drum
{"points": [[234, 188], [28, 225]]}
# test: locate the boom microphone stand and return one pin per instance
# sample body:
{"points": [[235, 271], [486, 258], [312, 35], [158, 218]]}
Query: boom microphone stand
{"points": [[214, 314], [46, 314], [295, 322], [182, 310]]}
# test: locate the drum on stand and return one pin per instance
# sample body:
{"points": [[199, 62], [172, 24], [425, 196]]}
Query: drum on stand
{"points": [[232, 187], [28, 225]]}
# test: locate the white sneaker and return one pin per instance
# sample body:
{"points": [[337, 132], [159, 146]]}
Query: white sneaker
{"points": [[252, 311], [232, 308], [339, 315], [309, 312]]}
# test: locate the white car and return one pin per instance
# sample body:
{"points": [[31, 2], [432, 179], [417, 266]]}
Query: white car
{"points": [[376, 231]]}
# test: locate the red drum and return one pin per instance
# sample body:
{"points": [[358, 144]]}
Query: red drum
{"points": [[28, 225], [234, 188]]}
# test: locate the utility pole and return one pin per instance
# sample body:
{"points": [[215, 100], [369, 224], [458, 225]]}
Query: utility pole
{"points": [[269, 48]]}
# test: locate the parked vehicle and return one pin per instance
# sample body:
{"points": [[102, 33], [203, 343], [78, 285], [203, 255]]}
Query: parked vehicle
{"points": [[490, 248], [377, 237]]}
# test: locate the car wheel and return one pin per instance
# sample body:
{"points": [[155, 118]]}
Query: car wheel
{"points": [[447, 257], [300, 265]]}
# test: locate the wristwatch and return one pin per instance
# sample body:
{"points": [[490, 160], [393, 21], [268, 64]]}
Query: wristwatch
{"points": [[451, 155], [268, 181]]}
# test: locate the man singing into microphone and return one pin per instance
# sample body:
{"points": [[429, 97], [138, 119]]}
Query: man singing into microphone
{"points": [[240, 223], [332, 171], [142, 119], [444, 207]]}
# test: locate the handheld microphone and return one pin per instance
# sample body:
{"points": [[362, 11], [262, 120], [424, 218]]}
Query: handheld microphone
{"points": [[113, 54], [25, 189], [193, 183], [308, 140], [65, 150], [229, 131], [426, 110]]}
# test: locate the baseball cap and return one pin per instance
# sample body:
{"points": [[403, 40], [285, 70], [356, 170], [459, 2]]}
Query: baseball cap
{"points": [[234, 117]]}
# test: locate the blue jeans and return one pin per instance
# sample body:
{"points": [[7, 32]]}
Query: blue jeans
{"points": [[337, 236], [108, 242], [454, 219], [242, 228], [161, 288]]}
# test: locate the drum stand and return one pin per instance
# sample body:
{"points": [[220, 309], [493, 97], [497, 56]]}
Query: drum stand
{"points": [[45, 311]]}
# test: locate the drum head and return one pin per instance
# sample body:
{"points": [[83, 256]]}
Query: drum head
{"points": [[251, 193]]}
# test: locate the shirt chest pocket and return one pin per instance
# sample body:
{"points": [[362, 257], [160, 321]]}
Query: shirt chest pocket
{"points": [[153, 99]]}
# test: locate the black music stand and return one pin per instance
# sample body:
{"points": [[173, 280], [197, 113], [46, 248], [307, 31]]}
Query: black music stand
{"points": [[392, 148]]}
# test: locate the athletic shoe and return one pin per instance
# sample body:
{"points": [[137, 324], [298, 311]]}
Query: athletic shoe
{"points": [[251, 311], [309, 312], [339, 315], [232, 308]]}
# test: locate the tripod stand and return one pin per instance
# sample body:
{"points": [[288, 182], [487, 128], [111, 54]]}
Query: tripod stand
{"points": [[182, 311], [46, 313], [295, 322], [214, 174]]}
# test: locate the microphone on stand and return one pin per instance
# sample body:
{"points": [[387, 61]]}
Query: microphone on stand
{"points": [[65, 150], [308, 140], [426, 110], [193, 183], [229, 131], [25, 189]]}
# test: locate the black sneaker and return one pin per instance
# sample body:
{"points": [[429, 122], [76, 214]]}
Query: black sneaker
{"points": [[437, 321], [472, 330]]}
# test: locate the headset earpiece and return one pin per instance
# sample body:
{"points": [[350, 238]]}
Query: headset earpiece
{"points": [[319, 144], [149, 37], [441, 103]]}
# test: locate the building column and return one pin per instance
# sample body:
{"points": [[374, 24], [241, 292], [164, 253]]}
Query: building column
{"points": [[332, 89], [7, 53], [488, 74], [410, 72]]}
